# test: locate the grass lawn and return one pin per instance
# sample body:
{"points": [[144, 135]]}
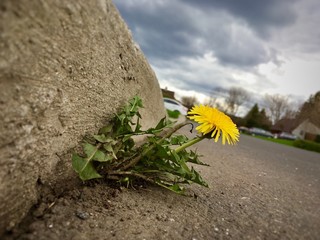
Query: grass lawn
{"points": [[277, 140], [307, 145], [173, 114]]}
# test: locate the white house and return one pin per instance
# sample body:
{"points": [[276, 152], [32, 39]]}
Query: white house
{"points": [[306, 127]]}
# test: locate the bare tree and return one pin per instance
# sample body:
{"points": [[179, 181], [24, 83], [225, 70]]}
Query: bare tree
{"points": [[236, 96], [189, 102], [292, 110], [277, 105], [213, 102]]}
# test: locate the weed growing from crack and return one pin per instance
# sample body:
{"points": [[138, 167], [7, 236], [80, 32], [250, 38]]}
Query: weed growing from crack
{"points": [[162, 159]]}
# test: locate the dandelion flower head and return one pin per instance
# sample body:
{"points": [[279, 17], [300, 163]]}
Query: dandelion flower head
{"points": [[216, 123]]}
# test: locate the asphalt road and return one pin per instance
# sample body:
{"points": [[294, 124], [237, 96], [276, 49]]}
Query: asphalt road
{"points": [[276, 188]]}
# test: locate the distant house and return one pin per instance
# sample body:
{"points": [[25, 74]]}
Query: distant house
{"points": [[285, 125], [167, 93], [306, 130]]}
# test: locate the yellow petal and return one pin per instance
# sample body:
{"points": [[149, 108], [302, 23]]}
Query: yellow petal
{"points": [[211, 120]]}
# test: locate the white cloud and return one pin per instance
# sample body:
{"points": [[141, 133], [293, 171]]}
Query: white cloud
{"points": [[197, 46], [297, 76]]}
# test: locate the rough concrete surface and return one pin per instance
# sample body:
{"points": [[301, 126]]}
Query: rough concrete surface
{"points": [[65, 68]]}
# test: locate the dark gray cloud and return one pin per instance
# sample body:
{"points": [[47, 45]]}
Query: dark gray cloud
{"points": [[261, 15], [172, 29], [240, 36], [160, 31]]}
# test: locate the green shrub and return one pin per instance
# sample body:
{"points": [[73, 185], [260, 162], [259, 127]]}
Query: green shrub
{"points": [[307, 145], [173, 114]]}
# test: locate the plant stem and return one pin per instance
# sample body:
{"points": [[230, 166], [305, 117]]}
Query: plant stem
{"points": [[188, 144], [138, 175]]}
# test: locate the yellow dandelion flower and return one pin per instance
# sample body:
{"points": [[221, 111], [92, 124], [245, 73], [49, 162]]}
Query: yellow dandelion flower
{"points": [[213, 121]]}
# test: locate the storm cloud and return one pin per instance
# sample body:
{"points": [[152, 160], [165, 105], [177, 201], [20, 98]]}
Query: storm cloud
{"points": [[201, 45], [173, 29]]}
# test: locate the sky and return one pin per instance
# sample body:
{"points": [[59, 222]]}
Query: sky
{"points": [[202, 47]]}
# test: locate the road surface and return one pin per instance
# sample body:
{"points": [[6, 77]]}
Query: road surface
{"points": [[258, 190]]}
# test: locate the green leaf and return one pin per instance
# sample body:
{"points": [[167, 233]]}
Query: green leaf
{"points": [[138, 127], [178, 139], [94, 154], [129, 144], [89, 149], [99, 156], [109, 148], [78, 162], [174, 187], [102, 157], [84, 168], [161, 124], [89, 172], [105, 129], [196, 177], [136, 102], [122, 117], [181, 161], [193, 157], [102, 138], [127, 137], [162, 152]]}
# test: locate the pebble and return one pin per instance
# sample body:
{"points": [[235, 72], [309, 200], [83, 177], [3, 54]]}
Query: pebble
{"points": [[82, 215], [66, 224]]}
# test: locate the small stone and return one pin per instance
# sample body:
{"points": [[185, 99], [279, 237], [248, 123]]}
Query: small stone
{"points": [[67, 224], [244, 198], [82, 215]]}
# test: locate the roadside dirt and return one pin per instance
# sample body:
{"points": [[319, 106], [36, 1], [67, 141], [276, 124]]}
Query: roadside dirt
{"points": [[257, 191]]}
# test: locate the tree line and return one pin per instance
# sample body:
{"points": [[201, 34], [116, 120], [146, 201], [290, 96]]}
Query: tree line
{"points": [[273, 108]]}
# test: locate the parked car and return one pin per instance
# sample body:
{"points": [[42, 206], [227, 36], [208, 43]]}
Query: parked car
{"points": [[260, 132], [243, 129], [174, 105], [285, 135]]}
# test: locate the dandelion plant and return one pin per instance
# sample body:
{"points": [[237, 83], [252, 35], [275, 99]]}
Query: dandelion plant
{"points": [[161, 159]]}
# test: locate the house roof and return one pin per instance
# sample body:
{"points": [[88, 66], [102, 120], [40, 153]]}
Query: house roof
{"points": [[167, 93], [285, 125]]}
